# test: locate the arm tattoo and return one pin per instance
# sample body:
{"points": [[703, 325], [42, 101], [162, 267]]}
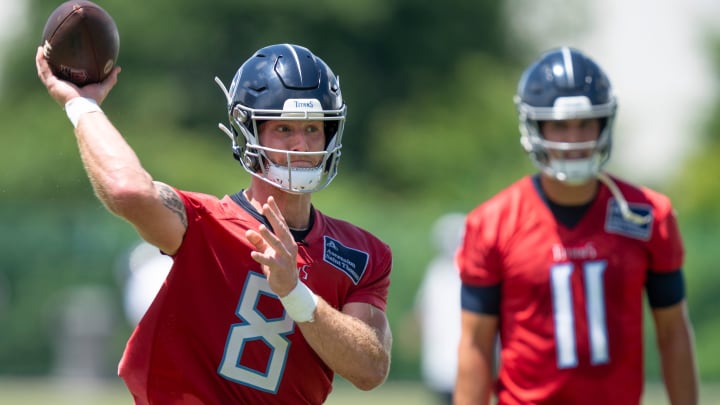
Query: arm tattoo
{"points": [[171, 200]]}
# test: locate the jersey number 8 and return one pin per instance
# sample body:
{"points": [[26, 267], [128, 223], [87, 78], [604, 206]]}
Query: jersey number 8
{"points": [[255, 326]]}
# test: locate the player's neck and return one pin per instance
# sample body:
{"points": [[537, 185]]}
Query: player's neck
{"points": [[294, 207], [565, 194]]}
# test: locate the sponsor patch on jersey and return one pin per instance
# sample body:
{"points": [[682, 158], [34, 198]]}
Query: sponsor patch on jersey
{"points": [[617, 224], [350, 261]]}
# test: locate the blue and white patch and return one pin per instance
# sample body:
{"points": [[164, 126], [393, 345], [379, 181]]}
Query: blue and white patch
{"points": [[617, 224], [350, 261]]}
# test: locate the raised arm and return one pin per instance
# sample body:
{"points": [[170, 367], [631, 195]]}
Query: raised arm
{"points": [[114, 170]]}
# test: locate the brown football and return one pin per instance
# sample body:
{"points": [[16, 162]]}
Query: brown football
{"points": [[81, 42]]}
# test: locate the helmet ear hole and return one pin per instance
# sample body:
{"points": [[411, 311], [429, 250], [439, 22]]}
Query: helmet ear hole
{"points": [[331, 128], [239, 114], [603, 123], [526, 144], [252, 162]]}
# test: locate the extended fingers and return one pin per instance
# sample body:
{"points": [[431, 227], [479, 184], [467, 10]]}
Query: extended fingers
{"points": [[277, 221], [266, 242], [59, 90], [106, 85], [277, 246], [256, 239], [262, 254], [62, 90], [43, 68]]}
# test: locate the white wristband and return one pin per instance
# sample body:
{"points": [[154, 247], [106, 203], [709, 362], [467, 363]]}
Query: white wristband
{"points": [[78, 106], [300, 304]]}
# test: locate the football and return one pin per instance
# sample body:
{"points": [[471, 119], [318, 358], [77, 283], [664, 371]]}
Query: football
{"points": [[81, 42]]}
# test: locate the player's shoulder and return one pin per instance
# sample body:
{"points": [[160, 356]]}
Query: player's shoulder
{"points": [[515, 195], [196, 200], [207, 204], [636, 193], [196, 196], [348, 231]]}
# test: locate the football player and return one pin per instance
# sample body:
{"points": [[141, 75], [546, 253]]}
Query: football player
{"points": [[267, 297], [558, 262]]}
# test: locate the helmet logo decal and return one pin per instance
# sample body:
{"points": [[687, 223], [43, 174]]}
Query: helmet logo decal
{"points": [[305, 104], [573, 103], [302, 108]]}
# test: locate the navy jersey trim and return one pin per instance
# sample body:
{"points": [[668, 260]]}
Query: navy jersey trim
{"points": [[484, 300], [298, 235], [568, 215], [243, 202], [665, 289]]}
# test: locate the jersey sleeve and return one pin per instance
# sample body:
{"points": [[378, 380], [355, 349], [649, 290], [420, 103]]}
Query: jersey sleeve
{"points": [[478, 258], [194, 211], [196, 204], [665, 245], [665, 285], [373, 289]]}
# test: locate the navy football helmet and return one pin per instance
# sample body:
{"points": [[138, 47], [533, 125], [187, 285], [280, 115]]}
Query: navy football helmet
{"points": [[565, 84], [285, 82]]}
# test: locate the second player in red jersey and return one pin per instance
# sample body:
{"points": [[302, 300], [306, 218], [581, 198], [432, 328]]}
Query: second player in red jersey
{"points": [[558, 263], [571, 306]]}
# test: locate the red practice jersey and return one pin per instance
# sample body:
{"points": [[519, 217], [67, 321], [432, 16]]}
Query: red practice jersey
{"points": [[217, 334], [571, 300]]}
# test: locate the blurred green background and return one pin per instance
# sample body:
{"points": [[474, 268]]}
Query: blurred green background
{"points": [[431, 129]]}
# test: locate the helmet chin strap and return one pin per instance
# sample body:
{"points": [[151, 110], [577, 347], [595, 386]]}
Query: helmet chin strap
{"points": [[295, 179], [627, 213], [578, 171], [573, 171]]}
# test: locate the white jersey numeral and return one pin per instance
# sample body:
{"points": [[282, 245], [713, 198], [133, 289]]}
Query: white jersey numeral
{"points": [[254, 326], [560, 278]]}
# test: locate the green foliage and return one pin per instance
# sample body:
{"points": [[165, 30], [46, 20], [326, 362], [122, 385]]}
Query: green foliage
{"points": [[698, 186], [47, 250], [697, 192], [463, 131]]}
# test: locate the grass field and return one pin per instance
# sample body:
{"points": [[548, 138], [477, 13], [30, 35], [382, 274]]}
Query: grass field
{"points": [[33, 392], [57, 392]]}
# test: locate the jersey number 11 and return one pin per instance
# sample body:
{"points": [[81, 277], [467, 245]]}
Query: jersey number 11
{"points": [[563, 314]]}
